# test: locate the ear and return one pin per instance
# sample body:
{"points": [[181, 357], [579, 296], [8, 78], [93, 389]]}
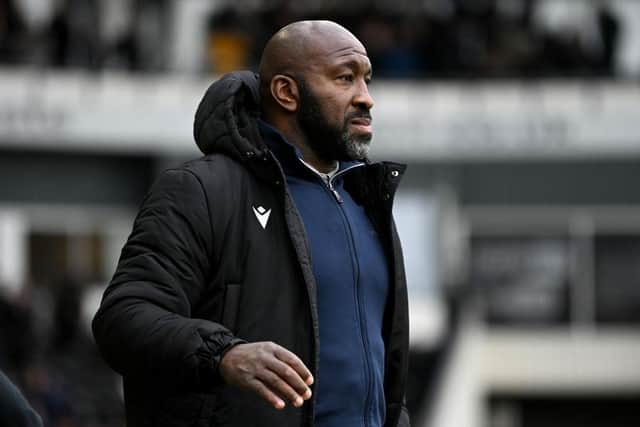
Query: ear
{"points": [[284, 91]]}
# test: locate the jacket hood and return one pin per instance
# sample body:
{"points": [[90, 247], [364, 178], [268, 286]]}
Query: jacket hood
{"points": [[226, 118]]}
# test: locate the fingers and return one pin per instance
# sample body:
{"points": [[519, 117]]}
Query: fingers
{"points": [[286, 374], [270, 370], [266, 394], [282, 388], [294, 362]]}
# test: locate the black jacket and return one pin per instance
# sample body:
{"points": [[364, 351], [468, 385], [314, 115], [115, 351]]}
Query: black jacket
{"points": [[199, 273]]}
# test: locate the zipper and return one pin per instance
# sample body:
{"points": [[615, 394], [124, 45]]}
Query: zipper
{"points": [[329, 182], [342, 172], [363, 327], [362, 321]]}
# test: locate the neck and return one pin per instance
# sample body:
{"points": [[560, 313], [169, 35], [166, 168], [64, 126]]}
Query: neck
{"points": [[297, 138], [310, 157]]}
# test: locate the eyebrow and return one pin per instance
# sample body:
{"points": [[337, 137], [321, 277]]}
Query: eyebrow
{"points": [[354, 65]]}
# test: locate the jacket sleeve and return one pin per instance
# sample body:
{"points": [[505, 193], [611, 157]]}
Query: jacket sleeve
{"points": [[144, 327]]}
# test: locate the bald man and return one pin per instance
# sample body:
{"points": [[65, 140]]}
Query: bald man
{"points": [[263, 284]]}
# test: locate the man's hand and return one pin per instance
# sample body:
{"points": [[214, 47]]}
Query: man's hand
{"points": [[268, 369]]}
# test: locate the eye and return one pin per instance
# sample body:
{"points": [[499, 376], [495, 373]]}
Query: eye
{"points": [[367, 80], [346, 77]]}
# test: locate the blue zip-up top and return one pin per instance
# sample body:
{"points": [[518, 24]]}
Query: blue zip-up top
{"points": [[352, 282]]}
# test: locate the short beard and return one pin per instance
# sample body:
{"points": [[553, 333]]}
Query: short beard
{"points": [[328, 142]]}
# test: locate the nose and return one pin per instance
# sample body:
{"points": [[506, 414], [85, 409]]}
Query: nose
{"points": [[362, 98]]}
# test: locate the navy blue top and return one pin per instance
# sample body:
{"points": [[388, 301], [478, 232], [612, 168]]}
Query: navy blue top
{"points": [[352, 283]]}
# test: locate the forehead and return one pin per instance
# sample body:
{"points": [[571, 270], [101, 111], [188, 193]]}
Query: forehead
{"points": [[337, 49]]}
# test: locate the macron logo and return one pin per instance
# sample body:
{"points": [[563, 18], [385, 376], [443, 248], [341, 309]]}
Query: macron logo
{"points": [[262, 214]]}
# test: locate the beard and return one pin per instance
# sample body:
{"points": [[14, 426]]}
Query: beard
{"points": [[330, 142]]}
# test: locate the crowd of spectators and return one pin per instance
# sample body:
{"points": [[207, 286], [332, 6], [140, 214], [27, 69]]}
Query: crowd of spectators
{"points": [[456, 38], [47, 351]]}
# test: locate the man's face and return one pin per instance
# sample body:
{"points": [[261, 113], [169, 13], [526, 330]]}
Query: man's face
{"points": [[334, 105]]}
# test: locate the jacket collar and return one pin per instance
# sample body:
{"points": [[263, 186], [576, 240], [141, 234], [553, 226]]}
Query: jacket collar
{"points": [[288, 154]]}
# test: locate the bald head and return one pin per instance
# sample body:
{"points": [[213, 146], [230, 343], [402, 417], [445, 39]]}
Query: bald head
{"points": [[292, 51], [314, 78]]}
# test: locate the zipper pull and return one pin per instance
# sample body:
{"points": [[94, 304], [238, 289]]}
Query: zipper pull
{"points": [[336, 194], [329, 182]]}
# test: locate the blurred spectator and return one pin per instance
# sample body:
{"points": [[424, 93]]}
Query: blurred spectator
{"points": [[449, 38], [609, 32], [151, 29], [16, 331], [12, 32], [48, 351], [66, 314], [390, 47], [49, 396], [228, 42], [15, 411]]}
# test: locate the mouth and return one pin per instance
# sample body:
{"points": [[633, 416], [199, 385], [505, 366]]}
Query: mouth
{"points": [[361, 121], [361, 124]]}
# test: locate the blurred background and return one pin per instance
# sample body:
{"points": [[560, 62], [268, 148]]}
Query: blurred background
{"points": [[519, 214]]}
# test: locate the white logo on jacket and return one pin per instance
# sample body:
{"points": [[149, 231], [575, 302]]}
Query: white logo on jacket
{"points": [[262, 214]]}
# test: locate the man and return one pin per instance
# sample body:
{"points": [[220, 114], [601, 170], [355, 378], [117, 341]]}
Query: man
{"points": [[263, 285], [15, 411]]}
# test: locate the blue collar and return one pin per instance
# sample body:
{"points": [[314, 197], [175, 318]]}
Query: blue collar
{"points": [[288, 154]]}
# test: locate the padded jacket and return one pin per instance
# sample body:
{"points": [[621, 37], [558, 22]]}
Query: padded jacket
{"points": [[199, 274]]}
